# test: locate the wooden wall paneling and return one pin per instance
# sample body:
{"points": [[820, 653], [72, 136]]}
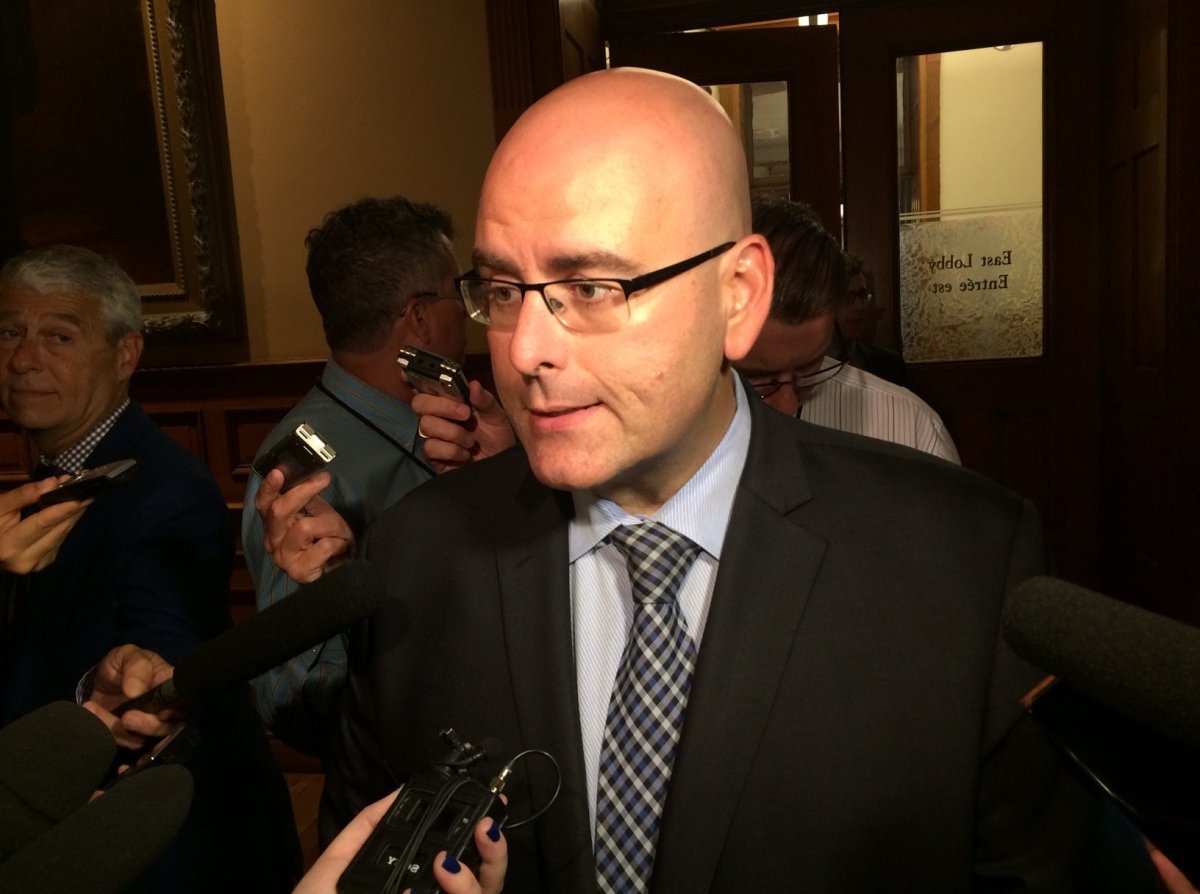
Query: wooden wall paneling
{"points": [[535, 46], [184, 425], [16, 453], [509, 51], [1143, 506], [1183, 312], [1029, 462], [582, 49]]}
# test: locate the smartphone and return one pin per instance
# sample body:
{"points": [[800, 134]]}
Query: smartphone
{"points": [[301, 453], [90, 482], [433, 374]]}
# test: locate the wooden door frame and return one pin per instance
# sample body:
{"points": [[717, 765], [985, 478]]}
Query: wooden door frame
{"points": [[1063, 385], [718, 57]]}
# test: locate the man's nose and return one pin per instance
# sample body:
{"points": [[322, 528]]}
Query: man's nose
{"points": [[24, 355], [538, 339], [788, 399]]}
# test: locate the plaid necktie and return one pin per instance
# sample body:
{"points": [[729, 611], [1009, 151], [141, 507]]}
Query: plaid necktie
{"points": [[645, 715]]}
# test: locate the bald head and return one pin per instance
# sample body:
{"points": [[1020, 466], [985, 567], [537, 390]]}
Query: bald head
{"points": [[641, 131]]}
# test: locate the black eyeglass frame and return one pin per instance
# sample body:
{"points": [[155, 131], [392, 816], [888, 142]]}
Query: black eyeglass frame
{"points": [[798, 381], [866, 296], [629, 286]]}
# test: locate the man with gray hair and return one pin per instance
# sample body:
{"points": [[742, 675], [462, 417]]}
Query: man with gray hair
{"points": [[147, 563]]}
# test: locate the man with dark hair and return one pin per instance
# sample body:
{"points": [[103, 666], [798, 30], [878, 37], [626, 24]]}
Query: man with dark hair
{"points": [[856, 317], [381, 273], [790, 365], [146, 563]]}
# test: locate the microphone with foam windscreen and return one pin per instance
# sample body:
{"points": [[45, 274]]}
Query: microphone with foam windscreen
{"points": [[1125, 706], [1141, 663], [51, 761], [108, 843], [308, 617]]}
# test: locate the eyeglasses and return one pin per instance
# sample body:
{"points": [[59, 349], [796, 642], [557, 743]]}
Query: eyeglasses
{"points": [[582, 305], [764, 388], [866, 296]]}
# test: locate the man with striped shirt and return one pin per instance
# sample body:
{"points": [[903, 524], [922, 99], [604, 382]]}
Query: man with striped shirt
{"points": [[788, 366]]}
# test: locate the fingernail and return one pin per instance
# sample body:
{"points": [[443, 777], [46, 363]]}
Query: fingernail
{"points": [[451, 865], [493, 831]]}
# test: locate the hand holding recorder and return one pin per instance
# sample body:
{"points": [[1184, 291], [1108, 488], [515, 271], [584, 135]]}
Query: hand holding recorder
{"points": [[303, 535], [124, 673], [461, 421], [324, 875], [32, 543]]}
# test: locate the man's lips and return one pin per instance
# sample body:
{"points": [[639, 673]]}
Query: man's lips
{"points": [[558, 411], [28, 392], [553, 418]]}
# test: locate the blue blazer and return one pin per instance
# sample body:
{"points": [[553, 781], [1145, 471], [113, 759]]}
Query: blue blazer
{"points": [[148, 563]]}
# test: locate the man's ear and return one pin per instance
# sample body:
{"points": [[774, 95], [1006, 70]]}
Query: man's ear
{"points": [[750, 283], [419, 324], [129, 352]]}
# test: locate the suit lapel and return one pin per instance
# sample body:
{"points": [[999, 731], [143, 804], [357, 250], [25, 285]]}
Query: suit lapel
{"points": [[767, 568], [536, 607]]}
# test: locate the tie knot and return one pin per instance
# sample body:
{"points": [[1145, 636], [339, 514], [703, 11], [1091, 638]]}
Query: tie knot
{"points": [[657, 557]]}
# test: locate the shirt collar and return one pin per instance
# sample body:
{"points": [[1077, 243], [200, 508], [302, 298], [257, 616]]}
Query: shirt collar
{"points": [[699, 510], [72, 459], [387, 411]]}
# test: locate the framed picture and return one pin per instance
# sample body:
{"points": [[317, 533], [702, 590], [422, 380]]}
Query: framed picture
{"points": [[113, 137]]}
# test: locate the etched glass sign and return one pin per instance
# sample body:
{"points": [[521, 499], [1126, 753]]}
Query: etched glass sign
{"points": [[970, 186]]}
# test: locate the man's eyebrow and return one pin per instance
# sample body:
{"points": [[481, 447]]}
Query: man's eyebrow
{"points": [[71, 319], [78, 322], [599, 263], [481, 258], [596, 263]]}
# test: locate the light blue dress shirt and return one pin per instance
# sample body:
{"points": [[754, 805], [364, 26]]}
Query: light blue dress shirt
{"points": [[370, 474], [601, 592]]}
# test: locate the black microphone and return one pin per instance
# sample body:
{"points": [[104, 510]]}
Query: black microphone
{"points": [[51, 761], [108, 843], [311, 615], [1125, 708], [1142, 664]]}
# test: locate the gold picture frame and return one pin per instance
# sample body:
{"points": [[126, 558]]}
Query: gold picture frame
{"points": [[116, 141]]}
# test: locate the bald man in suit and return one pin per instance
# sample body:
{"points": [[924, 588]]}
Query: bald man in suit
{"points": [[853, 722]]}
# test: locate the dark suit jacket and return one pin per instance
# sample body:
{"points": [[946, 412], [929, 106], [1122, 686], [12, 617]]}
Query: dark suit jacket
{"points": [[149, 564], [853, 723]]}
